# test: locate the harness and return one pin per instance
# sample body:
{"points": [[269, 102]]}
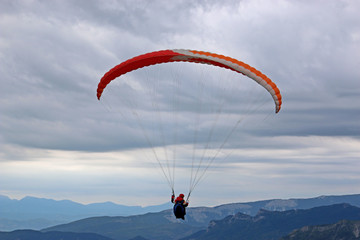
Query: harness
{"points": [[179, 209]]}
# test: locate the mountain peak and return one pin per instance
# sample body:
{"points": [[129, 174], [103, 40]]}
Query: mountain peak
{"points": [[344, 229]]}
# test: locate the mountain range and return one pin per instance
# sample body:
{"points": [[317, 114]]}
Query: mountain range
{"points": [[272, 225], [272, 219], [335, 222], [39, 213], [265, 225], [163, 225]]}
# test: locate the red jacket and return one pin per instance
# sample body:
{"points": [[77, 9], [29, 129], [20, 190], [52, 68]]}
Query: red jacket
{"points": [[180, 199]]}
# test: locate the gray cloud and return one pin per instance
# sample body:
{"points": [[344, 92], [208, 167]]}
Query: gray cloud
{"points": [[53, 54]]}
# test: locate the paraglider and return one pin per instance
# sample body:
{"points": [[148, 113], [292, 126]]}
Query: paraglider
{"points": [[180, 206], [191, 56]]}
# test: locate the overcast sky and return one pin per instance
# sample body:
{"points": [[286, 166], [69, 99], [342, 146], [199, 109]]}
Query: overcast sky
{"points": [[58, 141]]}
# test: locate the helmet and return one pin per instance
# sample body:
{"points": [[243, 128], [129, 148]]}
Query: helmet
{"points": [[181, 195]]}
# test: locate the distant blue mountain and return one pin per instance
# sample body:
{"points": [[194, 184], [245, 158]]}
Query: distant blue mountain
{"points": [[30, 207], [36, 235], [37, 213]]}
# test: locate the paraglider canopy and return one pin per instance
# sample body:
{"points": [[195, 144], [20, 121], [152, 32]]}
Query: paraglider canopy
{"points": [[181, 55]]}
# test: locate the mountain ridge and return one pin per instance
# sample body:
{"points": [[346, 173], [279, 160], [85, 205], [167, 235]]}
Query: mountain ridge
{"points": [[163, 225], [272, 225], [39, 213], [344, 229]]}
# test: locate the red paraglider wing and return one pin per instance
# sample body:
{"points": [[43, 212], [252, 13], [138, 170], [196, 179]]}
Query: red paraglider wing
{"points": [[181, 55]]}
